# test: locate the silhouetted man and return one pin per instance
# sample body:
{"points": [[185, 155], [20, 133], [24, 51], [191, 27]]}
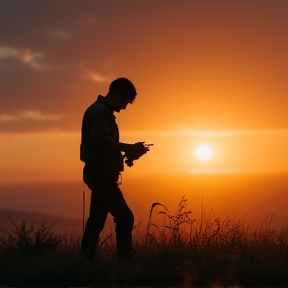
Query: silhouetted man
{"points": [[100, 150]]}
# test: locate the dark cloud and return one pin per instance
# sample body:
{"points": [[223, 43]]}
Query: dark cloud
{"points": [[67, 30], [42, 64], [51, 56], [55, 56]]}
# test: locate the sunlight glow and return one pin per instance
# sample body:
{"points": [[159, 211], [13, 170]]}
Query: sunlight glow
{"points": [[204, 152]]}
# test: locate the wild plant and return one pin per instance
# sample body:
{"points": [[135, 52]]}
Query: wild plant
{"points": [[169, 232], [31, 240], [210, 251]]}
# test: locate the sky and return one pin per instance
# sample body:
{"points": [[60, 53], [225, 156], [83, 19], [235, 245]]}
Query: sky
{"points": [[206, 72]]}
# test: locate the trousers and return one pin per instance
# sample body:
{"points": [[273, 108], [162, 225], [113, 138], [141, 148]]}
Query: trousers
{"points": [[106, 197]]}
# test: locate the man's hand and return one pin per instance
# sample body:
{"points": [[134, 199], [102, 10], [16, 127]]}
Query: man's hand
{"points": [[135, 152], [139, 149]]}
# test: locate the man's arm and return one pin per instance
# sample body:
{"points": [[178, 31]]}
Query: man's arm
{"points": [[100, 136], [107, 142]]}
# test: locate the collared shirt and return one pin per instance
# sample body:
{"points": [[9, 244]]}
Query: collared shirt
{"points": [[99, 135]]}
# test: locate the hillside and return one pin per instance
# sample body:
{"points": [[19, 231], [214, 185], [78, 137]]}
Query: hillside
{"points": [[60, 225]]}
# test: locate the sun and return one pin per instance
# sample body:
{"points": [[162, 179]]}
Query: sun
{"points": [[204, 152]]}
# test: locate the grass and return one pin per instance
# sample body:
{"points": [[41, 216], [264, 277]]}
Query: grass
{"points": [[177, 250]]}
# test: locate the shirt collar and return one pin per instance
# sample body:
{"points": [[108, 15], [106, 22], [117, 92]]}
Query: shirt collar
{"points": [[103, 100]]}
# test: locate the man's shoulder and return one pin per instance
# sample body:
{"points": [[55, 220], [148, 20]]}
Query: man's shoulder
{"points": [[97, 107]]}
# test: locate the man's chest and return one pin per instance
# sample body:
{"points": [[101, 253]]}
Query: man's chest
{"points": [[113, 128]]}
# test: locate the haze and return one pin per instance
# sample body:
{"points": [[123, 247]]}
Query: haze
{"points": [[207, 73]]}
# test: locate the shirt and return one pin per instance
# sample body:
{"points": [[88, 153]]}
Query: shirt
{"points": [[99, 136]]}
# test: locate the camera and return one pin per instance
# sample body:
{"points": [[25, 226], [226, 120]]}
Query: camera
{"points": [[130, 157]]}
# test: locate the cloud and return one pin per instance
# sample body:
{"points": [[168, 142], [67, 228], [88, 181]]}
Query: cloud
{"points": [[197, 133], [29, 115], [60, 34], [31, 58], [97, 77], [86, 20], [247, 170]]}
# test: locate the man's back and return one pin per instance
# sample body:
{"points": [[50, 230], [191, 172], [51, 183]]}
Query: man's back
{"points": [[98, 123]]}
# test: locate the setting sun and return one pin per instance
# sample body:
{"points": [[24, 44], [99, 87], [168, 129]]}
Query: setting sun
{"points": [[204, 82], [204, 152]]}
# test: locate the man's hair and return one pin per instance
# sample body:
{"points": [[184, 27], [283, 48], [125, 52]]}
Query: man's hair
{"points": [[125, 88]]}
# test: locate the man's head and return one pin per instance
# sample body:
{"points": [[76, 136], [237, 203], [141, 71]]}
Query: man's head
{"points": [[121, 92]]}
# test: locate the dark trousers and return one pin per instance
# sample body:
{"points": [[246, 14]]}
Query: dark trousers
{"points": [[106, 197]]}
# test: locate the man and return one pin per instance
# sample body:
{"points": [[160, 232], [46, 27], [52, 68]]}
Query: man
{"points": [[101, 152]]}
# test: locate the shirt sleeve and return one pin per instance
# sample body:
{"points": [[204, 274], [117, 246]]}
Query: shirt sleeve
{"points": [[99, 124]]}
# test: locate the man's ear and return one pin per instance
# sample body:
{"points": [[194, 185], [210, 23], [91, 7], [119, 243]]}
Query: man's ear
{"points": [[114, 95]]}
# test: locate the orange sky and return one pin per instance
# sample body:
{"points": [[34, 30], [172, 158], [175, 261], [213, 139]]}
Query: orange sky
{"points": [[206, 72]]}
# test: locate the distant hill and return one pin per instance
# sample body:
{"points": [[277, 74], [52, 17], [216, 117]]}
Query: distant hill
{"points": [[60, 225]]}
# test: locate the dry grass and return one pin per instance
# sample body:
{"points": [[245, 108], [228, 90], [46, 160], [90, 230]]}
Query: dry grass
{"points": [[175, 249]]}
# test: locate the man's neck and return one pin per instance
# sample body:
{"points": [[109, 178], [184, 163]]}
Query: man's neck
{"points": [[109, 101], [106, 101]]}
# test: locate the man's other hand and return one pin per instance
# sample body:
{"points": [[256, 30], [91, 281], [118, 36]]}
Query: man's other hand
{"points": [[139, 149]]}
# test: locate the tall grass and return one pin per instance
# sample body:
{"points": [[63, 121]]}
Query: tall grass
{"points": [[173, 249]]}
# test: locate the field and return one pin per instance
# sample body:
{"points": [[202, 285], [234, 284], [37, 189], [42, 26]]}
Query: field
{"points": [[178, 250]]}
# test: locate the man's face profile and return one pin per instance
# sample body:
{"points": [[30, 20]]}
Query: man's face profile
{"points": [[120, 102]]}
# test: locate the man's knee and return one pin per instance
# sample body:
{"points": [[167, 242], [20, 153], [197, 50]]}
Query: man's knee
{"points": [[125, 220], [130, 219], [95, 224]]}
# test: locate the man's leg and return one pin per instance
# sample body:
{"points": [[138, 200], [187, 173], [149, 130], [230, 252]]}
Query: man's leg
{"points": [[94, 225], [124, 219]]}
